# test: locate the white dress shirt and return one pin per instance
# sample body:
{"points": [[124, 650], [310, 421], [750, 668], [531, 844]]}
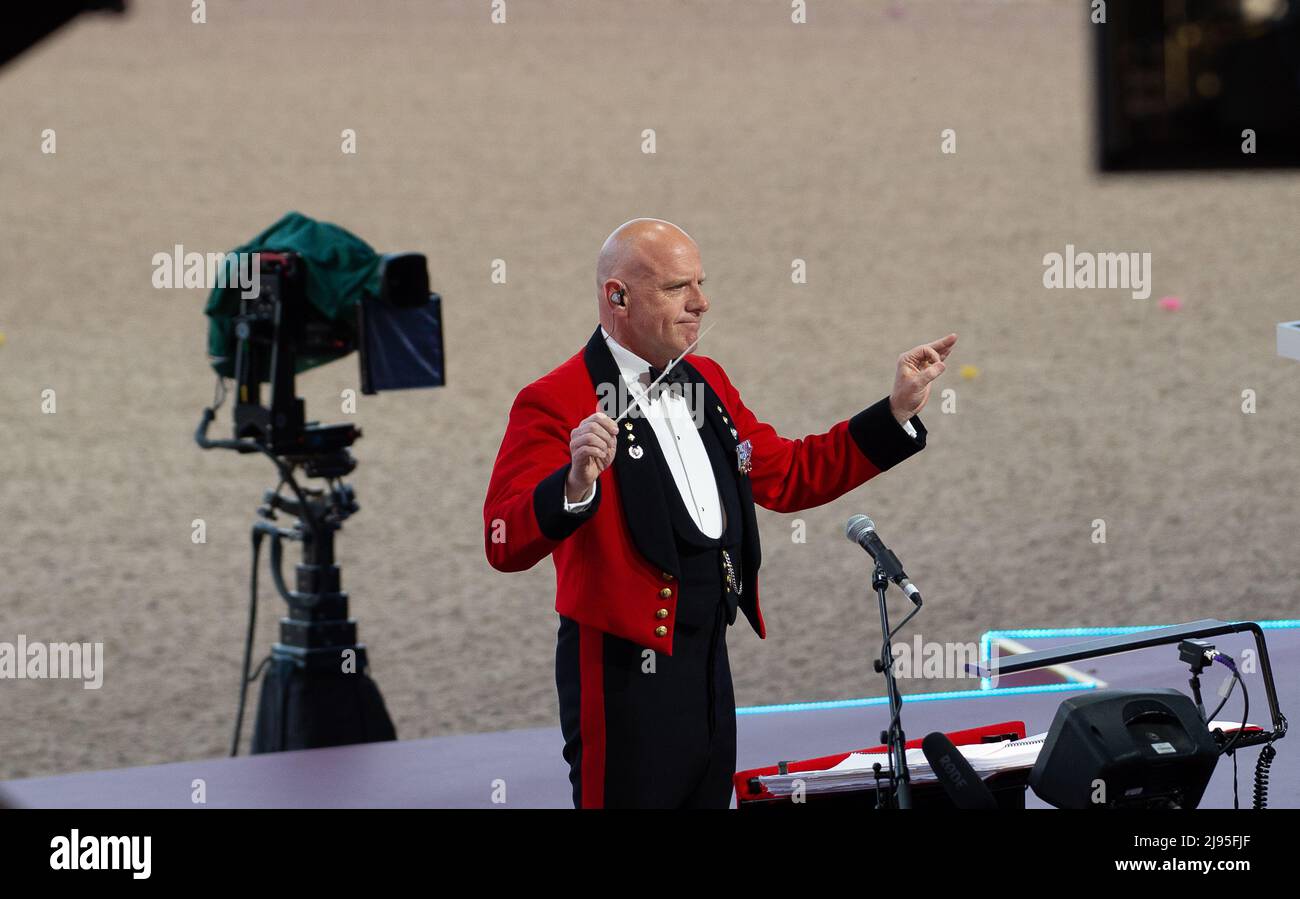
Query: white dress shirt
{"points": [[670, 417]]}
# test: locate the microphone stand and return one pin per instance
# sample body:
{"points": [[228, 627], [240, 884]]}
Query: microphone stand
{"points": [[894, 738]]}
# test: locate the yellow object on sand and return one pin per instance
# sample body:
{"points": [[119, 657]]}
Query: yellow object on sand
{"points": [[969, 372]]}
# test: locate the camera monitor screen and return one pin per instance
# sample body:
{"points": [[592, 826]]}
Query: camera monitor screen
{"points": [[1198, 84]]}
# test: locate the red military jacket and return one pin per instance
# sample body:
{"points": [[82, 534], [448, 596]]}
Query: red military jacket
{"points": [[615, 562]]}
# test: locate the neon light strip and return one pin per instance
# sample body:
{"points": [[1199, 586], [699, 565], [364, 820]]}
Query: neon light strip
{"points": [[1068, 673], [1053, 632], [910, 697], [986, 643], [1049, 633]]}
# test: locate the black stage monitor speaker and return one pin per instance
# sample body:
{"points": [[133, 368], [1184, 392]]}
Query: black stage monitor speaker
{"points": [[1125, 749]]}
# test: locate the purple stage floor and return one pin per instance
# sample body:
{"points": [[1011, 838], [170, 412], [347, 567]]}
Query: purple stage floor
{"points": [[466, 771]]}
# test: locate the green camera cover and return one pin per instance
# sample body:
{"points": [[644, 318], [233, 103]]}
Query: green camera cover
{"points": [[340, 269]]}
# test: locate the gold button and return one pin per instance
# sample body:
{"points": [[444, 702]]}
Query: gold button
{"points": [[665, 575], [665, 593], [662, 613], [661, 631]]}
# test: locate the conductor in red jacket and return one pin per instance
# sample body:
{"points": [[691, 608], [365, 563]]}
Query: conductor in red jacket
{"points": [[650, 520]]}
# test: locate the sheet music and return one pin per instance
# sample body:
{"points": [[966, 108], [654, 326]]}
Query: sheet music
{"points": [[855, 771]]}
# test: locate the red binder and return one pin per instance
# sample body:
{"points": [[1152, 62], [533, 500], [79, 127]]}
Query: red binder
{"points": [[748, 789]]}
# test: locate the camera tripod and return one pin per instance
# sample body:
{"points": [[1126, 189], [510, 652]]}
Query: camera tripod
{"points": [[317, 691]]}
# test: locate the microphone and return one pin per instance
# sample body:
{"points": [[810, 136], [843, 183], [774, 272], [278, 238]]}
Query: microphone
{"points": [[963, 786], [862, 531]]}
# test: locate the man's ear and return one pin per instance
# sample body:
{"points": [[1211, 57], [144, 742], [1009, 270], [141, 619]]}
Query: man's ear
{"points": [[617, 293]]}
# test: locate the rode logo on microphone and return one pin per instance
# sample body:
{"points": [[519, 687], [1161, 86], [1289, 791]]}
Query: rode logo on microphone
{"points": [[954, 775]]}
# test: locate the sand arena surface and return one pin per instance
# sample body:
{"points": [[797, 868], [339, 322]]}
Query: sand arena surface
{"points": [[522, 142]]}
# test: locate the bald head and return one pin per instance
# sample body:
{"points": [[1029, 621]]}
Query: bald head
{"points": [[648, 285], [635, 246]]}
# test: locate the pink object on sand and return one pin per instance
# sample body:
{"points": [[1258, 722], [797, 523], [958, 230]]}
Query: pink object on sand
{"points": [[1173, 304]]}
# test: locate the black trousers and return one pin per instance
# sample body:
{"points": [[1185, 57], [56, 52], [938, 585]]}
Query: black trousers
{"points": [[644, 729]]}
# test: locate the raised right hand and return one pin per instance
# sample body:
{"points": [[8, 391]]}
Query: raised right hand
{"points": [[592, 445]]}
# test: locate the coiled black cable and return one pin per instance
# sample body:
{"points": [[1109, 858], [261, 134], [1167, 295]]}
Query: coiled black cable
{"points": [[1266, 756]]}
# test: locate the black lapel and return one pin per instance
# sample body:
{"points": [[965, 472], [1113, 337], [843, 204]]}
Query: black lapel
{"points": [[642, 491]]}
